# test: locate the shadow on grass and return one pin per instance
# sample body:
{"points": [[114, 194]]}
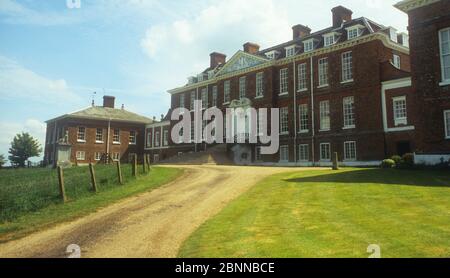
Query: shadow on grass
{"points": [[427, 178]]}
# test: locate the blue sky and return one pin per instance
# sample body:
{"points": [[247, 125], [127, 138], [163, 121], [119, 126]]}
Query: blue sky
{"points": [[52, 58]]}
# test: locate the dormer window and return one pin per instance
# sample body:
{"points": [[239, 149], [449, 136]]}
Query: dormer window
{"points": [[290, 51], [210, 74], [191, 80], [354, 31], [308, 45], [329, 39], [271, 55], [200, 77], [393, 34]]}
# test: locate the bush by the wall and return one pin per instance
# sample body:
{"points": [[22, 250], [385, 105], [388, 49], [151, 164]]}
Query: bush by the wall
{"points": [[408, 160], [397, 159], [388, 164]]}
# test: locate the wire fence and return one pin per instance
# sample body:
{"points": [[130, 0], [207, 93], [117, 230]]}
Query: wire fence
{"points": [[29, 190]]}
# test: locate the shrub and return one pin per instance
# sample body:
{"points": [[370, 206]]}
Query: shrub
{"points": [[397, 159], [388, 163], [408, 160]]}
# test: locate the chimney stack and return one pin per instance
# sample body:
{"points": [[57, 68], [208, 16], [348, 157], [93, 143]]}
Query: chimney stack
{"points": [[300, 31], [217, 59], [108, 101], [340, 15], [251, 48]]}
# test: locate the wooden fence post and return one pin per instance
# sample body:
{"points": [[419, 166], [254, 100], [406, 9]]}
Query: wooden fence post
{"points": [[148, 162], [62, 190], [134, 166], [335, 161], [119, 173], [93, 180], [144, 163]]}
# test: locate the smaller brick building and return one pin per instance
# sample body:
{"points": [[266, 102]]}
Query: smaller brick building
{"points": [[95, 134]]}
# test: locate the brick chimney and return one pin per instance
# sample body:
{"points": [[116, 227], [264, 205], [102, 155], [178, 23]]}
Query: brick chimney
{"points": [[217, 59], [299, 31], [340, 15], [108, 101], [251, 48]]}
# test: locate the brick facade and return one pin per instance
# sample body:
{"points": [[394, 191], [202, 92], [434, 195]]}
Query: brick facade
{"points": [[430, 88], [85, 134], [372, 64]]}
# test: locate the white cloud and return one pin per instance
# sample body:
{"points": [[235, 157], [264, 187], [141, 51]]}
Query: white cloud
{"points": [[258, 20], [180, 48], [17, 81]]}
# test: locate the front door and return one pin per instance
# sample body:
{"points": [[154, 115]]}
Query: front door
{"points": [[403, 147]]}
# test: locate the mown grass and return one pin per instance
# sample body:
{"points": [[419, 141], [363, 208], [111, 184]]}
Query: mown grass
{"points": [[333, 214], [29, 198]]}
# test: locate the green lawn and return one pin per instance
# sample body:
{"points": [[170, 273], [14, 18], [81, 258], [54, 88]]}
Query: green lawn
{"points": [[28, 190], [29, 198], [333, 214]]}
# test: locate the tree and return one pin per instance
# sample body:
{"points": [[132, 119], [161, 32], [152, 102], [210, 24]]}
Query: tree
{"points": [[2, 161], [22, 148]]}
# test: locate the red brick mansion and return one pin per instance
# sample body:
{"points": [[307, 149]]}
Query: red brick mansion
{"points": [[357, 88], [344, 89]]}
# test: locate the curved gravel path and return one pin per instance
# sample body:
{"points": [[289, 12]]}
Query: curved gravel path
{"points": [[150, 225]]}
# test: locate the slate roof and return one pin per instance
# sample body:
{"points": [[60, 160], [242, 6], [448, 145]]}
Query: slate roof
{"points": [[105, 113], [370, 27]]}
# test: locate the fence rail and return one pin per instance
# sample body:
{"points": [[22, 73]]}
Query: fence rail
{"points": [[28, 190]]}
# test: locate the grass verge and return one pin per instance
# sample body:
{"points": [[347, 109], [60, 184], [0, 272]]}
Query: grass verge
{"points": [[55, 213], [324, 214]]}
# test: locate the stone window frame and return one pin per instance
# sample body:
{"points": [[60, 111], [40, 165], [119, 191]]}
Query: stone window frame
{"points": [[347, 66], [226, 92], [447, 123], [324, 113], [323, 68], [284, 120], [242, 87], [99, 135], [347, 155], [132, 138], [81, 155], [303, 152], [322, 157], [349, 112], [81, 135], [284, 151], [290, 51], [399, 119], [303, 112], [260, 85], [204, 98], [302, 78], [215, 96], [308, 45], [116, 137], [397, 61], [444, 81], [284, 81]]}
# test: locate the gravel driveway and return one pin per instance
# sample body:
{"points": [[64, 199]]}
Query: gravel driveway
{"points": [[149, 225]]}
